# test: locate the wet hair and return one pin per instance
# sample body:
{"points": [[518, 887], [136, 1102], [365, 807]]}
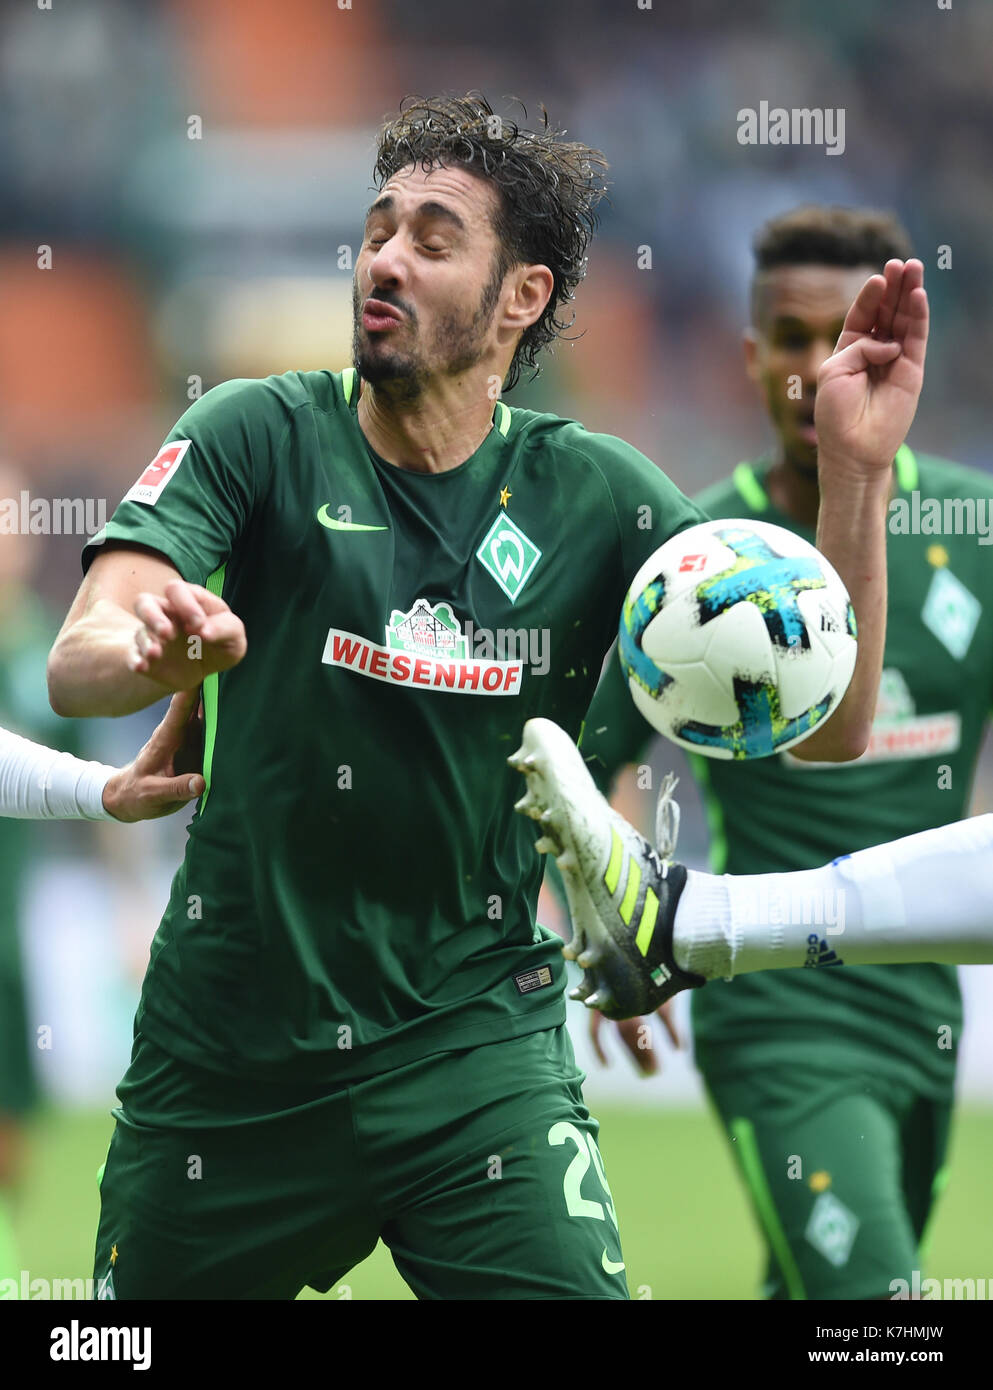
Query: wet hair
{"points": [[548, 189]]}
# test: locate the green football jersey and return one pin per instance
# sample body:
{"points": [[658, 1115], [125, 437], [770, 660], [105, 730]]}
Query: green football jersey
{"points": [[357, 891], [780, 813]]}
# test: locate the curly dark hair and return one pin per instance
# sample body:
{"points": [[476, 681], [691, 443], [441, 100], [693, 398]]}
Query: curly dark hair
{"points": [[817, 234], [548, 191]]}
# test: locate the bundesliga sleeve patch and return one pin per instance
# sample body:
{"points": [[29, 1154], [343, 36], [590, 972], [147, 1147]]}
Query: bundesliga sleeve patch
{"points": [[159, 473]]}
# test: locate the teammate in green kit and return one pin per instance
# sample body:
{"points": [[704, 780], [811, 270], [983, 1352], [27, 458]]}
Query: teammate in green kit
{"points": [[351, 1026], [835, 1086]]}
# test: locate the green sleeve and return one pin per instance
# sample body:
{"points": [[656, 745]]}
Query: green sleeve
{"points": [[648, 507], [614, 733], [195, 520]]}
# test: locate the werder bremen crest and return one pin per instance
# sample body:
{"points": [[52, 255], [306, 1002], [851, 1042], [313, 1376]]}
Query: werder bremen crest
{"points": [[428, 629], [508, 555]]}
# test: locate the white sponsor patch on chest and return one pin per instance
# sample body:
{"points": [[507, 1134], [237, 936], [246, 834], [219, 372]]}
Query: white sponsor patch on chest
{"points": [[425, 648]]}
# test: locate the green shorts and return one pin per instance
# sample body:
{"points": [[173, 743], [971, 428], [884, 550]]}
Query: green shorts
{"points": [[842, 1175], [479, 1169]]}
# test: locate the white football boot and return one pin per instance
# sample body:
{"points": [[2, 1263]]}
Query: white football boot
{"points": [[622, 895]]}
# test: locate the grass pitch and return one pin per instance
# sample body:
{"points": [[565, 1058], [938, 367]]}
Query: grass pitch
{"points": [[671, 1160]]}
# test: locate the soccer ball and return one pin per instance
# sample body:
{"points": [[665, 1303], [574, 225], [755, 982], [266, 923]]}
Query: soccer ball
{"points": [[737, 639]]}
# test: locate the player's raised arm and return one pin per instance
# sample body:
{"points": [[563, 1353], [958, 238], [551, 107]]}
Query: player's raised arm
{"points": [[135, 630], [867, 393]]}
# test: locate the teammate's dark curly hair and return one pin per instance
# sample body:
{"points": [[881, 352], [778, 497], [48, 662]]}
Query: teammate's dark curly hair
{"points": [[548, 191], [817, 234]]}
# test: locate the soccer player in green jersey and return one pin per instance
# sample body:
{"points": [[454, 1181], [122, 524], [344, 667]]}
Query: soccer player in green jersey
{"points": [[835, 1086], [351, 1025]]}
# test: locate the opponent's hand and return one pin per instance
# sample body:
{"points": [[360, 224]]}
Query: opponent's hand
{"points": [[868, 389], [637, 1036], [186, 634], [149, 787]]}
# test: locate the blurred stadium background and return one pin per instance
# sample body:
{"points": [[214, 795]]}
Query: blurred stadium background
{"points": [[199, 170]]}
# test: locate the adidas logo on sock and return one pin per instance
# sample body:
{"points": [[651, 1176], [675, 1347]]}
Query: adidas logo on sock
{"points": [[820, 953]]}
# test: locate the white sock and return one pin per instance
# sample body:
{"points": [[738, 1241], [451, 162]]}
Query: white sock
{"points": [[928, 897], [701, 933]]}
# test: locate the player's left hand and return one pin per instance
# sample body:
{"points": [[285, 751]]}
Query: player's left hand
{"points": [[149, 787], [637, 1036], [867, 390]]}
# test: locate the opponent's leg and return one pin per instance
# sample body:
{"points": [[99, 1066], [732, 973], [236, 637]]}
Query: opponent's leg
{"points": [[927, 897], [644, 928]]}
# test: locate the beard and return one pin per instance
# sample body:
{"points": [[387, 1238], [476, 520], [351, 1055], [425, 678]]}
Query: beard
{"points": [[455, 346]]}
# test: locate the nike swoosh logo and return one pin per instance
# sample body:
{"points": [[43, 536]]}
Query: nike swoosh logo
{"points": [[609, 1266], [332, 525]]}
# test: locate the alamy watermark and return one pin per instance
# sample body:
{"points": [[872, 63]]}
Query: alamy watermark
{"points": [[527, 644], [78, 1342], [804, 125], [942, 516], [51, 516], [797, 906], [25, 1287], [918, 1287]]}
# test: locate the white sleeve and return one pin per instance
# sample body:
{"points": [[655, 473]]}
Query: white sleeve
{"points": [[38, 783]]}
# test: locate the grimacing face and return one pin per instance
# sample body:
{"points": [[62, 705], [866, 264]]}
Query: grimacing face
{"points": [[427, 280], [800, 312]]}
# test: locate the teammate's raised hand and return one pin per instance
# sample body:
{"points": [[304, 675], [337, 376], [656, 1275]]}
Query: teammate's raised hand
{"points": [[187, 633], [867, 390]]}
